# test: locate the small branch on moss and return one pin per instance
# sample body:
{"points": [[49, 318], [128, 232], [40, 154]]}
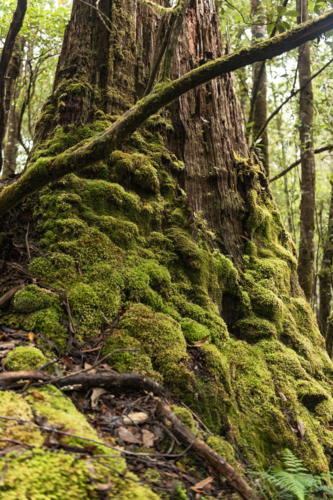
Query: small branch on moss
{"points": [[198, 419], [293, 165], [49, 363], [186, 437], [292, 94]]}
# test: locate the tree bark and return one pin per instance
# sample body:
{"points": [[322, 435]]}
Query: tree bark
{"points": [[260, 108], [306, 244], [325, 279]]}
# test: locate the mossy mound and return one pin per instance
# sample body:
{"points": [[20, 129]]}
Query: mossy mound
{"points": [[38, 473], [25, 358], [122, 242]]}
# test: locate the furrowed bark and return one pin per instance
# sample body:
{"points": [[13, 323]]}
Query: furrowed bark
{"points": [[260, 83], [6, 55], [306, 244], [186, 437], [45, 170]]}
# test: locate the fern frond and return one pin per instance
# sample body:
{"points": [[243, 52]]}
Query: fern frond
{"points": [[297, 484]]}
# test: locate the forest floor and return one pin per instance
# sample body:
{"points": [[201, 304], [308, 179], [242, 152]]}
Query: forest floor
{"points": [[125, 414]]}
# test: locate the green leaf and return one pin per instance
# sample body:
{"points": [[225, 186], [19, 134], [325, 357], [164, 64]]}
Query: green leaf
{"points": [[292, 13], [281, 28], [281, 10]]}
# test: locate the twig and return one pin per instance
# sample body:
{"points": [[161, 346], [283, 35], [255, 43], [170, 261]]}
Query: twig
{"points": [[27, 243], [65, 377], [196, 416], [49, 363], [16, 442]]}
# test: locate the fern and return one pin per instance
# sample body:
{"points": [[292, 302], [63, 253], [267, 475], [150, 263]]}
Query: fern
{"points": [[295, 482]]}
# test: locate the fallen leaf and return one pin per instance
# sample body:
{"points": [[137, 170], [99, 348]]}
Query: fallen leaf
{"points": [[31, 336], [233, 369], [282, 396], [201, 341], [95, 395], [148, 438], [202, 484], [7, 345], [103, 487], [136, 418], [180, 466], [301, 427], [126, 435], [37, 395]]}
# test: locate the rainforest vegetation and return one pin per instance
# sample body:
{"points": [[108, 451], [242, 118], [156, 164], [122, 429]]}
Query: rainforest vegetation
{"points": [[166, 249]]}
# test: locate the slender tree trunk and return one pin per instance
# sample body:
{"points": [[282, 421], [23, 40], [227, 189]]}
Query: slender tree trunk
{"points": [[260, 110], [306, 244], [325, 278]]}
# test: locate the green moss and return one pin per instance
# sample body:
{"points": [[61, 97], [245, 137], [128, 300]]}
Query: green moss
{"points": [[33, 299], [223, 448], [255, 328], [193, 331], [25, 358], [185, 416], [47, 322]]}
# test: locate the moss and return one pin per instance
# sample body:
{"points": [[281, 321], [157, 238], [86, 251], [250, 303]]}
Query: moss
{"points": [[25, 358], [185, 416], [33, 299], [223, 448], [39, 473], [193, 331], [255, 328], [47, 321]]}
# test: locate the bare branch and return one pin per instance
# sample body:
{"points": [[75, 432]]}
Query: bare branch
{"points": [[293, 165], [292, 94]]}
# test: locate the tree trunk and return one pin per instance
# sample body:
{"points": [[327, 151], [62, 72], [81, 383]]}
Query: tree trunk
{"points": [[308, 182], [172, 238], [325, 279], [260, 109]]}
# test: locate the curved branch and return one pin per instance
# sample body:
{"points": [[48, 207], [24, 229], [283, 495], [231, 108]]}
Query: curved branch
{"points": [[46, 170], [6, 55], [293, 165]]}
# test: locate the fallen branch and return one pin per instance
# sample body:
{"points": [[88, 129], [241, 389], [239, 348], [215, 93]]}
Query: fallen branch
{"points": [[186, 437], [85, 380], [86, 153], [293, 165]]}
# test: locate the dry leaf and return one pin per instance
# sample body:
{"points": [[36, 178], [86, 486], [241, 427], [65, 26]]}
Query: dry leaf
{"points": [[31, 336], [137, 418], [104, 487], [87, 366], [7, 345], [95, 395], [148, 438], [282, 396], [233, 369], [126, 435], [301, 427], [180, 466], [202, 484], [201, 341], [37, 395]]}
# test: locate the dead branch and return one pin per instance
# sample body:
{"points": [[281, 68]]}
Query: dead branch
{"points": [[186, 437], [6, 55], [297, 162]]}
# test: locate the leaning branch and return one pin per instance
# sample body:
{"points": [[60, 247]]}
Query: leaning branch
{"points": [[84, 154], [292, 94], [6, 55], [293, 165], [185, 436]]}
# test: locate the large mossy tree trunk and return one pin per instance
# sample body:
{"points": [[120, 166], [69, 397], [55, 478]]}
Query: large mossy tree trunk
{"points": [[176, 236]]}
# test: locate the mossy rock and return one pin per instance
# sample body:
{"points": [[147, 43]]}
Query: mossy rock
{"points": [[32, 298]]}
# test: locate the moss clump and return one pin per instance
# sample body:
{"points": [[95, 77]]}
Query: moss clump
{"points": [[185, 416], [25, 358], [193, 331], [255, 328], [33, 299], [223, 448]]}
